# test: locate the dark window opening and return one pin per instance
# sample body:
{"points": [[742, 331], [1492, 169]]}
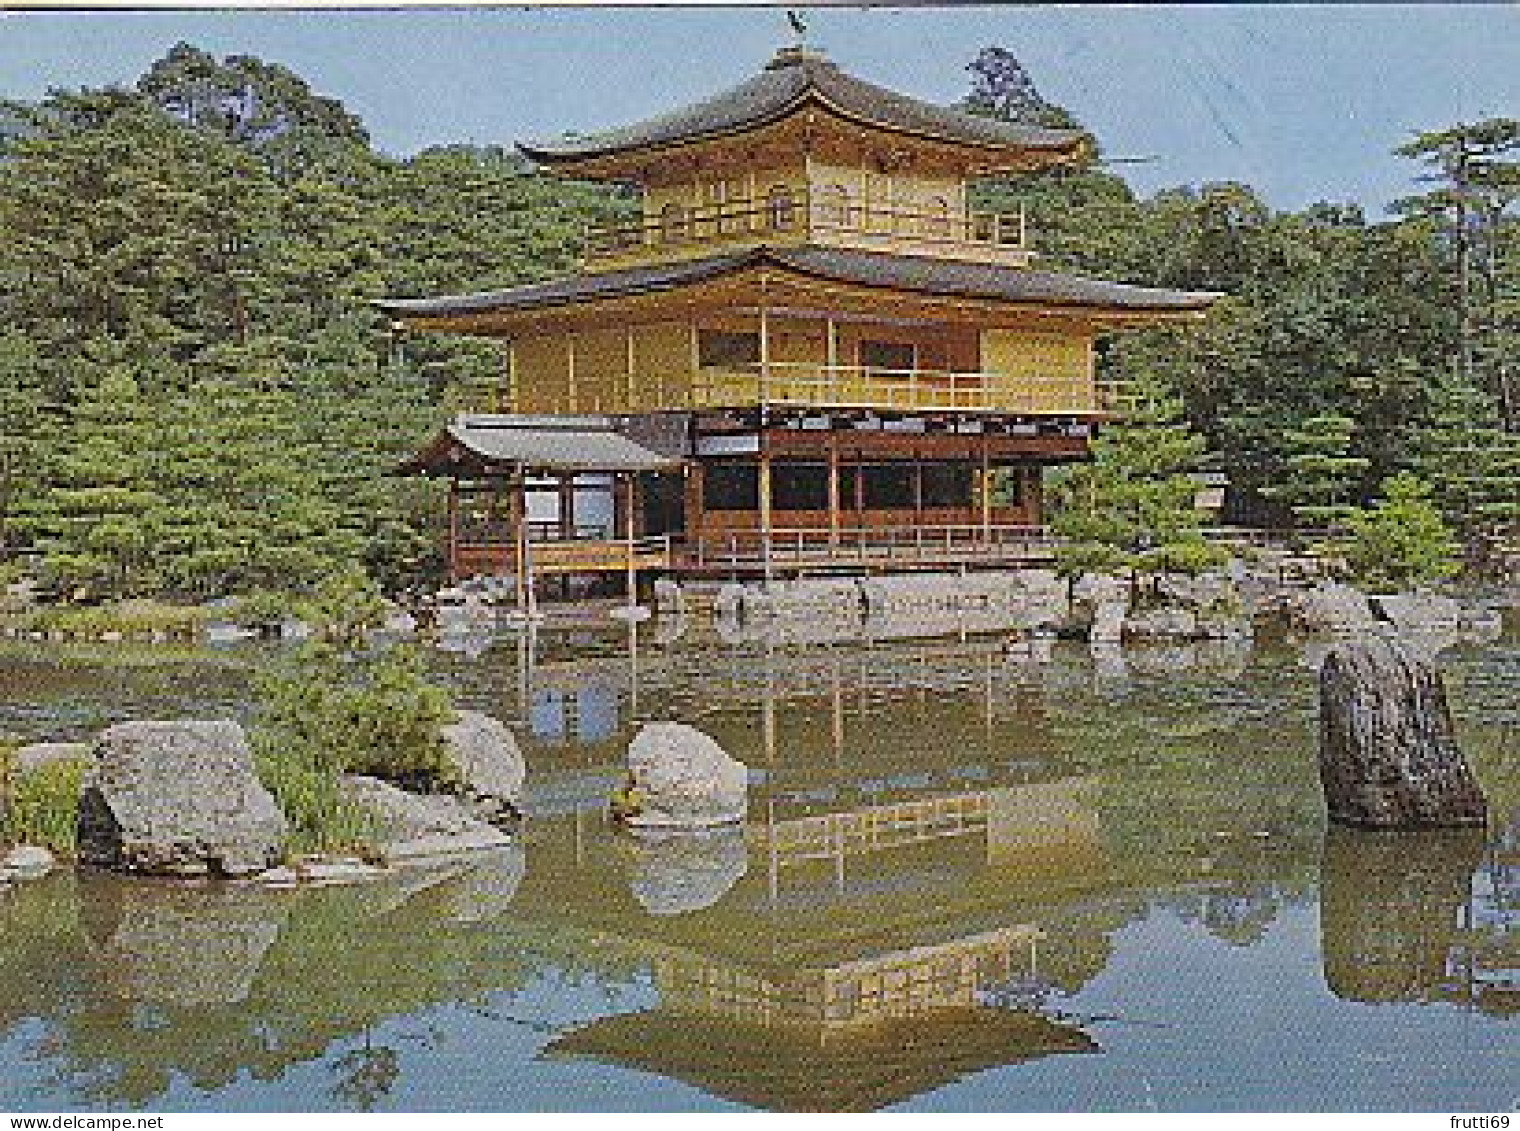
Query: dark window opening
{"points": [[800, 486], [1007, 486], [946, 485], [887, 486], [887, 355], [725, 349], [731, 487]]}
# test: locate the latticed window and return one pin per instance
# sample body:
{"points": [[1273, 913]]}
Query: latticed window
{"points": [[836, 208], [781, 208], [674, 223], [937, 222]]}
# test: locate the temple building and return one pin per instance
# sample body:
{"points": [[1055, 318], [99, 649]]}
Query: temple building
{"points": [[808, 352]]}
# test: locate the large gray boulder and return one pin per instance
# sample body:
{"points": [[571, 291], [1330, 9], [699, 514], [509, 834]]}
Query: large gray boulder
{"points": [[178, 797], [412, 826], [679, 778], [489, 762], [1388, 756]]}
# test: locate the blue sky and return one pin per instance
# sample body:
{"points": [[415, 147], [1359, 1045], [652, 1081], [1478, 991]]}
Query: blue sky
{"points": [[1304, 101]]}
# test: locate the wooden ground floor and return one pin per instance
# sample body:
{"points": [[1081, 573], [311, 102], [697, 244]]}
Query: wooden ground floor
{"points": [[747, 497]]}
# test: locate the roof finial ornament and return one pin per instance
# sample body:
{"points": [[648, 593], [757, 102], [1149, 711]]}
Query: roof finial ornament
{"points": [[799, 28]]}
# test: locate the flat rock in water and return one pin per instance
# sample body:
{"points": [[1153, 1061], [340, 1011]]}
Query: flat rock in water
{"points": [[681, 778], [178, 798], [413, 826], [1388, 755], [26, 862]]}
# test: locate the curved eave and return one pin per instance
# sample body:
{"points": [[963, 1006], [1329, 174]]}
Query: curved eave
{"points": [[582, 160]]}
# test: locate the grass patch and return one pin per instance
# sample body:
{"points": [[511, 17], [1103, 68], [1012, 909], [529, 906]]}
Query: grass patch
{"points": [[41, 806], [129, 619]]}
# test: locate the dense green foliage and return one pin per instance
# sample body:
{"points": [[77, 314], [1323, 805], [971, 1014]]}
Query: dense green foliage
{"points": [[196, 398], [326, 713], [1131, 508]]}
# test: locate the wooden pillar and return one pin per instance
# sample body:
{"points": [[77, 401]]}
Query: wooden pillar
{"points": [[918, 493], [630, 533], [986, 492], [765, 345], [630, 367], [565, 491], [508, 403], [695, 518], [833, 489], [522, 583], [453, 533], [765, 508], [570, 373]]}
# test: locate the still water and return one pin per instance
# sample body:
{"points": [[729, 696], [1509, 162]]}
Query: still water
{"points": [[971, 879]]}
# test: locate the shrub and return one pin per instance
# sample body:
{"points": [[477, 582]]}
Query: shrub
{"points": [[325, 713], [42, 806]]}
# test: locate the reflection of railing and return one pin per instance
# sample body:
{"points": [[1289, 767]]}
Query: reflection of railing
{"points": [[873, 829], [872, 545], [988, 236], [810, 383]]}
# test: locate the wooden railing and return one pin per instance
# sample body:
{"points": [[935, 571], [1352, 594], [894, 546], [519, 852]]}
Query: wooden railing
{"points": [[564, 555], [871, 545], [793, 216], [858, 386]]}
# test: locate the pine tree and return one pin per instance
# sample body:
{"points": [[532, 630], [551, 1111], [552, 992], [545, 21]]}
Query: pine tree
{"points": [[1401, 541], [1132, 507], [1322, 479]]}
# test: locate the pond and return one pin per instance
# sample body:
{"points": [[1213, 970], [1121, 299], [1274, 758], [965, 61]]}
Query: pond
{"points": [[971, 879]]}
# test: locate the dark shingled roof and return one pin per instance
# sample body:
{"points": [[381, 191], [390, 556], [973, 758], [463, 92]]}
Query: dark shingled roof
{"points": [[792, 78], [841, 265], [537, 443]]}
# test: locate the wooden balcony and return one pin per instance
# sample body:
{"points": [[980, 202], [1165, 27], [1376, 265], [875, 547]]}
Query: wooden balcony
{"points": [[855, 386], [865, 549], [978, 237]]}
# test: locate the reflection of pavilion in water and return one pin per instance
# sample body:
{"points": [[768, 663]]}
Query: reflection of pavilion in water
{"points": [[856, 1035], [1487, 962]]}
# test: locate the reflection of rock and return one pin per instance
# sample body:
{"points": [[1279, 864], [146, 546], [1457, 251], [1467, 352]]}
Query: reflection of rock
{"points": [[413, 826], [189, 946], [490, 885], [178, 797], [678, 872], [490, 765], [1388, 755], [681, 778], [1388, 909]]}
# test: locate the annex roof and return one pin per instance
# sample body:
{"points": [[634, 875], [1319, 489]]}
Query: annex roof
{"points": [[869, 268], [793, 78], [491, 442]]}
